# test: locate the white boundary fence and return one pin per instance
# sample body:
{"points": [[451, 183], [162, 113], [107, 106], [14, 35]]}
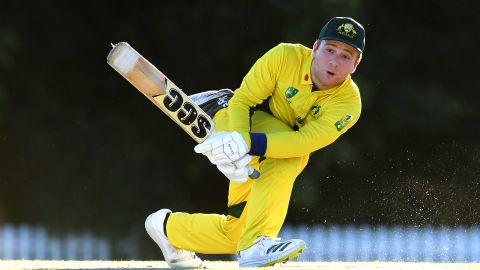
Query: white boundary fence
{"points": [[26, 242], [324, 243], [400, 244]]}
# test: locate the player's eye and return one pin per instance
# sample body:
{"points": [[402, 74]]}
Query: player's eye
{"points": [[346, 57]]}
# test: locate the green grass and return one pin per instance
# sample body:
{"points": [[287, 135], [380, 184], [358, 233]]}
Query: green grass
{"points": [[37, 264]]}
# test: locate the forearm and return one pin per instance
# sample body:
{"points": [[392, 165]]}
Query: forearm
{"points": [[292, 144], [288, 144], [309, 138]]}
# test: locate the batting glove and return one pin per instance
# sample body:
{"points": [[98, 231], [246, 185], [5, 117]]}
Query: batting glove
{"points": [[234, 174], [223, 147]]}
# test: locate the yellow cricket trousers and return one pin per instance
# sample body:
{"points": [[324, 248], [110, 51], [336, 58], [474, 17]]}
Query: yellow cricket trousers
{"points": [[266, 198]]}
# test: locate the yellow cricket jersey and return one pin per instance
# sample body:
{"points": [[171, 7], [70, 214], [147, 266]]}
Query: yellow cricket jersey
{"points": [[317, 118]]}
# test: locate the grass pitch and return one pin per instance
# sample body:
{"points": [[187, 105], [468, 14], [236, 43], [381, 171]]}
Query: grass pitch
{"points": [[37, 264]]}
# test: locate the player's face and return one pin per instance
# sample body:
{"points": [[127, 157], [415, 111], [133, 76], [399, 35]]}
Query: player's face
{"points": [[332, 62]]}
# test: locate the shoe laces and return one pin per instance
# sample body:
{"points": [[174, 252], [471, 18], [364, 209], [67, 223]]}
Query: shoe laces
{"points": [[266, 242], [276, 239]]}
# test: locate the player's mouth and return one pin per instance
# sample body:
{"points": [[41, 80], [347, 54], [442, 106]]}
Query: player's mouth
{"points": [[330, 73]]}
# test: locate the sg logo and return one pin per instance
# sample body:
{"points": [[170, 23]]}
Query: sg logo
{"points": [[187, 114]]}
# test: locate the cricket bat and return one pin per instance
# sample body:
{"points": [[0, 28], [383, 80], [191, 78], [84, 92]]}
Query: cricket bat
{"points": [[162, 92]]}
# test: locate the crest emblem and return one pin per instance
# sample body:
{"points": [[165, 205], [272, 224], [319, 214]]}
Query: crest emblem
{"points": [[347, 29], [315, 110], [343, 122], [290, 92]]}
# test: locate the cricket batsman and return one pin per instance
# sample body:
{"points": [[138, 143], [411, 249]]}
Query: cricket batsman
{"points": [[293, 102]]}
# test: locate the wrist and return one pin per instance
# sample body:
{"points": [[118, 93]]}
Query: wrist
{"points": [[258, 144]]}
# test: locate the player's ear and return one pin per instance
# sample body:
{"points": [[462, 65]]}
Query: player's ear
{"points": [[316, 45], [357, 63]]}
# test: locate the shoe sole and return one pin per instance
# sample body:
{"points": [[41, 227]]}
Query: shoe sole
{"points": [[282, 259], [292, 255]]}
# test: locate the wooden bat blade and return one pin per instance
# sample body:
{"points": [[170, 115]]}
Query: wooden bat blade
{"points": [[137, 70], [160, 91]]}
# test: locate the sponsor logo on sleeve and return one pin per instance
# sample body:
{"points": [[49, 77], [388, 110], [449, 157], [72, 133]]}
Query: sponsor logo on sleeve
{"points": [[343, 122]]}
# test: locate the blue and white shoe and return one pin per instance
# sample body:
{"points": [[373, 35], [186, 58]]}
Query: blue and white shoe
{"points": [[175, 258], [269, 251]]}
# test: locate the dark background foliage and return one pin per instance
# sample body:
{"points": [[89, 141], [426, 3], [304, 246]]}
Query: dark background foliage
{"points": [[80, 148]]}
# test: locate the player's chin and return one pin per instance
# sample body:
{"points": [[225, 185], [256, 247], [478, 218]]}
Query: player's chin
{"points": [[333, 81]]}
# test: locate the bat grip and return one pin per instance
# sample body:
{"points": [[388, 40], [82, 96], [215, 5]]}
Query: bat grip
{"points": [[252, 173]]}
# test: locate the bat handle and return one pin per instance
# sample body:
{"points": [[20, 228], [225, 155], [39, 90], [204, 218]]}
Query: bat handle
{"points": [[252, 173]]}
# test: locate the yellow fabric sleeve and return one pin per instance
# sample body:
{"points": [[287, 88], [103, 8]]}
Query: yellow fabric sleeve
{"points": [[315, 134], [257, 85]]}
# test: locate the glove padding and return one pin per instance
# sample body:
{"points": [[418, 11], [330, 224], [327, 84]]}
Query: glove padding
{"points": [[237, 171], [223, 148]]}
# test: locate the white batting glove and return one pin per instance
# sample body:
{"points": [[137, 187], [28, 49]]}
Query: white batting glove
{"points": [[223, 147], [234, 174], [243, 161]]}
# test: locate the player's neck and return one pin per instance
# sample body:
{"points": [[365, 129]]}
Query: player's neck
{"points": [[324, 87]]}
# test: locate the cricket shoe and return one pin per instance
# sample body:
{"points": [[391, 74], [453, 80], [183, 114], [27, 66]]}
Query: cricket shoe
{"points": [[269, 251], [175, 258]]}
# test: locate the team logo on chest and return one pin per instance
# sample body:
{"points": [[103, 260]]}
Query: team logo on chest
{"points": [[290, 92], [314, 111]]}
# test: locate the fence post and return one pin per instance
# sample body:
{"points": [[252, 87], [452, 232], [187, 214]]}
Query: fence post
{"points": [[54, 249], [350, 243], [381, 244], [314, 244], [411, 244], [8, 240], [365, 243], [334, 243], [320, 243], [39, 244], [474, 246], [396, 244], [429, 245], [71, 247], [459, 248], [444, 244], [102, 249]]}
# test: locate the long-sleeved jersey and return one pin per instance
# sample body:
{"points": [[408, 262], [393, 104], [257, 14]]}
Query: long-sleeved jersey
{"points": [[282, 77]]}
